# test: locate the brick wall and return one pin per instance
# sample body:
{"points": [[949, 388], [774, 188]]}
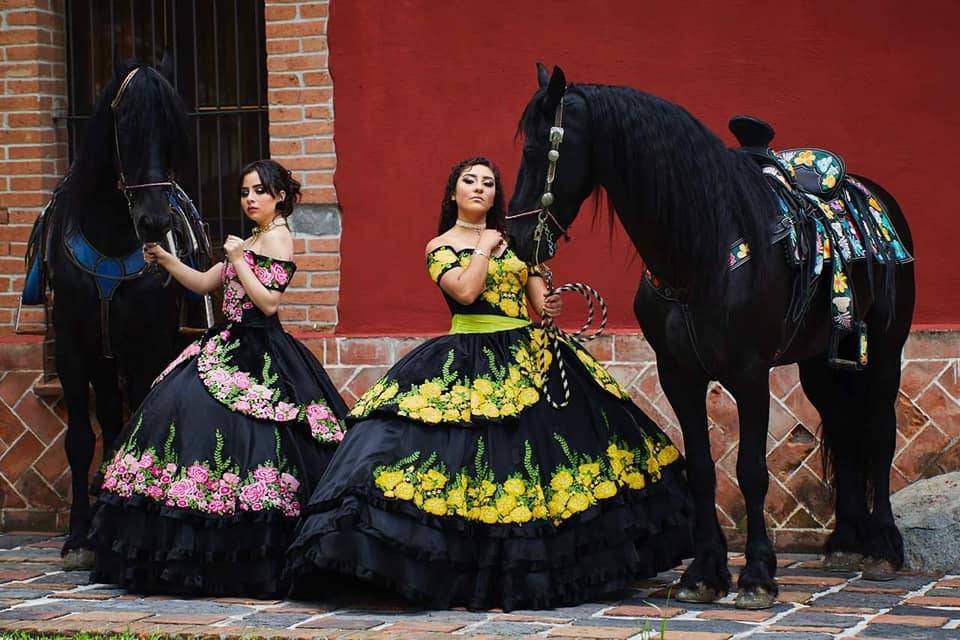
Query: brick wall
{"points": [[32, 144], [300, 92], [34, 477], [33, 152]]}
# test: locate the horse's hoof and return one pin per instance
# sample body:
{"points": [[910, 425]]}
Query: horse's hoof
{"points": [[842, 561], [78, 560], [702, 594], [878, 569], [755, 599]]}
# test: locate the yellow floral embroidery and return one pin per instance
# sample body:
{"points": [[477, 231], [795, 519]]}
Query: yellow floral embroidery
{"points": [[506, 278], [827, 211], [840, 282], [522, 497], [599, 373], [506, 391], [804, 157], [439, 260]]}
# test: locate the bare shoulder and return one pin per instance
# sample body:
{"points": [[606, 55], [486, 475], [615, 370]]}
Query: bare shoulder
{"points": [[277, 244], [439, 241]]}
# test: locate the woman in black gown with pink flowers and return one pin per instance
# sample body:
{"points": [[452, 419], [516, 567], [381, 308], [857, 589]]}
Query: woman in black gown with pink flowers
{"points": [[206, 487], [460, 484]]}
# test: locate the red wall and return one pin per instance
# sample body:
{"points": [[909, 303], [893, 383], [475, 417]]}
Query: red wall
{"points": [[420, 84]]}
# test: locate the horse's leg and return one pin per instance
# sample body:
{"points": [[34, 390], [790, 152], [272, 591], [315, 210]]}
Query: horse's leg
{"points": [[756, 587], [884, 544], [109, 404], [707, 578], [79, 443], [834, 394]]}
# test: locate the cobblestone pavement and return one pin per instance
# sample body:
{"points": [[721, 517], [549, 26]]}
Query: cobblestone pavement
{"points": [[38, 597]]}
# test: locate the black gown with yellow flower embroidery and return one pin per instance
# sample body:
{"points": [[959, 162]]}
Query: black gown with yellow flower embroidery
{"points": [[204, 491], [459, 484]]}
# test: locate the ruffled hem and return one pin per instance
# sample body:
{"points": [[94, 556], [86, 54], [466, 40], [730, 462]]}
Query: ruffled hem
{"points": [[149, 548], [192, 517], [449, 561]]}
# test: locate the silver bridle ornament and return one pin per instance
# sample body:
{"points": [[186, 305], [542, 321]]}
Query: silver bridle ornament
{"points": [[543, 233]]}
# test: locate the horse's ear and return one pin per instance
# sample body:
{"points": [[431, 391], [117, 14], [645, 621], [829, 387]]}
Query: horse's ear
{"points": [[165, 66], [556, 87], [542, 76]]}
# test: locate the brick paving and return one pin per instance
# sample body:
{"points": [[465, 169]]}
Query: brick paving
{"points": [[38, 597]]}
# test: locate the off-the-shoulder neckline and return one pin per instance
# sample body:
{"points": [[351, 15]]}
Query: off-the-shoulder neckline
{"points": [[260, 255], [470, 249]]}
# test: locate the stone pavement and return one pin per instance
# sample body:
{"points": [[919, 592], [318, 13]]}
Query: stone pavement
{"points": [[38, 597]]}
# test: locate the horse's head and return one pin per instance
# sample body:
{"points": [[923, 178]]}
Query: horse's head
{"points": [[149, 136], [554, 175]]}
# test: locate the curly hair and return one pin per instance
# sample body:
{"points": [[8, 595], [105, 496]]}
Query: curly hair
{"points": [[275, 178], [496, 216]]}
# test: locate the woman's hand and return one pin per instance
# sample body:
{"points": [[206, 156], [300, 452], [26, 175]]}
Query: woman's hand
{"points": [[153, 253], [490, 241], [233, 248], [552, 306]]}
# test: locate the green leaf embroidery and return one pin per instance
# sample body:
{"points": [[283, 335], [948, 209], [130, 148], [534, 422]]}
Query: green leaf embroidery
{"points": [[168, 453], [532, 471], [566, 448], [448, 377], [478, 458]]}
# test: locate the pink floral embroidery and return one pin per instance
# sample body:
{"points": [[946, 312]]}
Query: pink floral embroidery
{"points": [[215, 489], [242, 392], [233, 299], [323, 424], [265, 276], [191, 350], [279, 273], [273, 274]]}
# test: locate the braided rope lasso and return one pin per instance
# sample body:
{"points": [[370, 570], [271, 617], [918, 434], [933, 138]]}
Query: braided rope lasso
{"points": [[553, 333]]}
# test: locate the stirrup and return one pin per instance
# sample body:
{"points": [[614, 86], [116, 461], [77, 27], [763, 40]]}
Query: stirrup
{"points": [[16, 322], [859, 331]]}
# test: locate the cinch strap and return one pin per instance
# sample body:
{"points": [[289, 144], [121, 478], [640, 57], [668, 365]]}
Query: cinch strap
{"points": [[480, 323]]}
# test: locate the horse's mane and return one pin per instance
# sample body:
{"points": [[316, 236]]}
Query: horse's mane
{"points": [[155, 116], [658, 161]]}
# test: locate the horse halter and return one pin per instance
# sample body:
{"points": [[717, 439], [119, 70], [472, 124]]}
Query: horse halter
{"points": [[545, 218], [129, 188]]}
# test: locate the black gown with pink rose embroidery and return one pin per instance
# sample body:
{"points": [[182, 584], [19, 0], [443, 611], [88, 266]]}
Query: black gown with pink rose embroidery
{"points": [[205, 488]]}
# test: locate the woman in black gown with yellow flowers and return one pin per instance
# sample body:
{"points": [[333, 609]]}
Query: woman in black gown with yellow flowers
{"points": [[460, 485]]}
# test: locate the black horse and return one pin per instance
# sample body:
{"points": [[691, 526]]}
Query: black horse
{"points": [[113, 319], [684, 198]]}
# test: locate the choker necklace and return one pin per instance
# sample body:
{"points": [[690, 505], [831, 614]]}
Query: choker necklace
{"points": [[478, 227], [258, 230]]}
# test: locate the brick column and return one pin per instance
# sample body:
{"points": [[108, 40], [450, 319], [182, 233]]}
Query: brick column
{"points": [[33, 153], [300, 93]]}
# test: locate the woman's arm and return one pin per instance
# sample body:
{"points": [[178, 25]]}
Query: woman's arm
{"points": [[466, 284], [545, 306], [267, 300], [201, 282]]}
